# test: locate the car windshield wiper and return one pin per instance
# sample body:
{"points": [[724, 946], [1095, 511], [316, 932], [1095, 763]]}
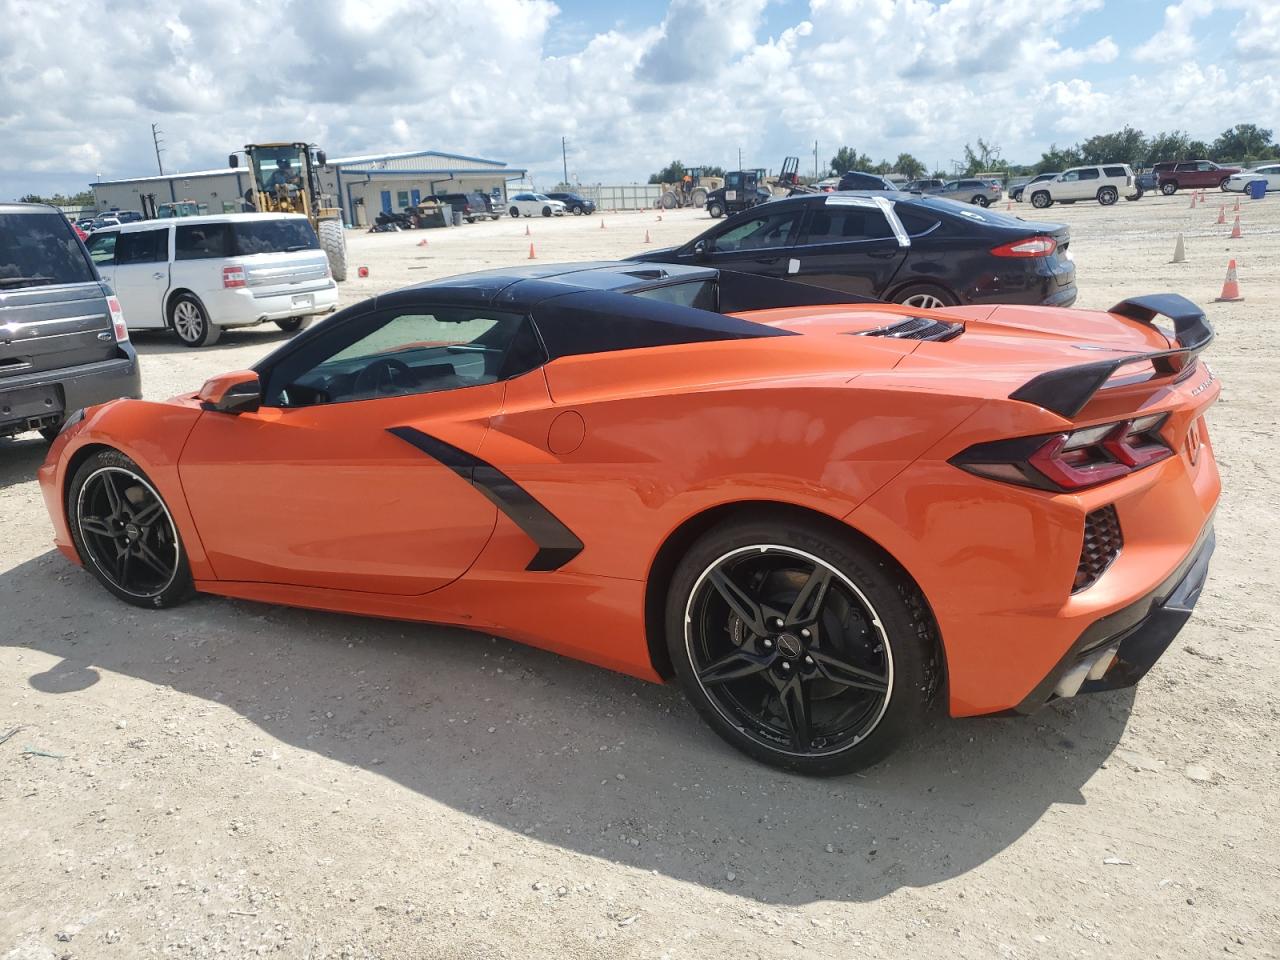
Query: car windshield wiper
{"points": [[297, 247], [25, 281]]}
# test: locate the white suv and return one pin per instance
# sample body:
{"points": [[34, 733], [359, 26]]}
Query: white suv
{"points": [[1106, 183], [197, 275]]}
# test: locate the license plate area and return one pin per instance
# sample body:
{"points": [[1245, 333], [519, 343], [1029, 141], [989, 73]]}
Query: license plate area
{"points": [[304, 299], [31, 402]]}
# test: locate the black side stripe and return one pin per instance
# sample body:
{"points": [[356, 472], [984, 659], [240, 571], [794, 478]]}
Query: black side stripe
{"points": [[557, 544]]}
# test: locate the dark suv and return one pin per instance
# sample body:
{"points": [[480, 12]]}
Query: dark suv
{"points": [[929, 185], [1192, 175], [574, 203], [472, 206], [63, 342]]}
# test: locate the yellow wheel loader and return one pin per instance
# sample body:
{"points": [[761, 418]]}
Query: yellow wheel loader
{"points": [[284, 178]]}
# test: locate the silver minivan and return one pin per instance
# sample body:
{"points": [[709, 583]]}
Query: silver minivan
{"points": [[198, 275]]}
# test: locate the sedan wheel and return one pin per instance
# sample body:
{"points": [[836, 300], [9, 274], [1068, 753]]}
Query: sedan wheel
{"points": [[1169, 189], [515, 213], [546, 211], [786, 639], [1040, 200], [981, 201], [124, 533]]}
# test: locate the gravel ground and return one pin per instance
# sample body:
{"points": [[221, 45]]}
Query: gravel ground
{"points": [[234, 780]]}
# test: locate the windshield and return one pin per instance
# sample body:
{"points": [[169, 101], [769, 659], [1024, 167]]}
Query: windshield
{"points": [[273, 236], [277, 167], [39, 249]]}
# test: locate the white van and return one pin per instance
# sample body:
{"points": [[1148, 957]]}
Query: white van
{"points": [[197, 275]]}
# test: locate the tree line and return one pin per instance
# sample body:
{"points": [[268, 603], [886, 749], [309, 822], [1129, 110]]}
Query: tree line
{"points": [[1244, 143]]}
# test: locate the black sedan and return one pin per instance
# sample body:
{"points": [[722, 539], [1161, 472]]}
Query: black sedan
{"points": [[574, 203], [905, 248]]}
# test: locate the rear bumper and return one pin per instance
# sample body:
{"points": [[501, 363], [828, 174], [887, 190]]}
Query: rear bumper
{"points": [[45, 398], [1118, 650], [244, 306]]}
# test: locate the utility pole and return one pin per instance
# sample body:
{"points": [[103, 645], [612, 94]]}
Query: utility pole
{"points": [[815, 159], [564, 157], [739, 158], [155, 139]]}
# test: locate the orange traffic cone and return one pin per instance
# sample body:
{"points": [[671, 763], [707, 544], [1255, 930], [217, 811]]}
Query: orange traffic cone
{"points": [[1179, 251], [532, 255], [1236, 208], [646, 237], [602, 223], [1222, 213], [1009, 205], [1235, 230], [1193, 201], [1231, 288], [527, 232], [422, 242]]}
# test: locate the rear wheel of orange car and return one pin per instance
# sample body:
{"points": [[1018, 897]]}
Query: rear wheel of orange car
{"points": [[125, 534], [800, 645]]}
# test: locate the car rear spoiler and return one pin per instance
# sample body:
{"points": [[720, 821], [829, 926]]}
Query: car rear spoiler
{"points": [[1066, 391]]}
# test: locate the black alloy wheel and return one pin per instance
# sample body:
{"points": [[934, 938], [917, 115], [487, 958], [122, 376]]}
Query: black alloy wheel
{"points": [[798, 648], [125, 534]]}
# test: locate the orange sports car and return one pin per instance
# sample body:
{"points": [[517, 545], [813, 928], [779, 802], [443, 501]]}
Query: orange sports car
{"points": [[819, 517]]}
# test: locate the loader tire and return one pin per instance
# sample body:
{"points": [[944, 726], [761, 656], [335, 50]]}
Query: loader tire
{"points": [[334, 241]]}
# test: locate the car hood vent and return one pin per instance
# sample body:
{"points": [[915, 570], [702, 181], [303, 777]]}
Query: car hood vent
{"points": [[916, 328]]}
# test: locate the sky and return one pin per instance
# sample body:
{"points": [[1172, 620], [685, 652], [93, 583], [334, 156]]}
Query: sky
{"points": [[631, 84]]}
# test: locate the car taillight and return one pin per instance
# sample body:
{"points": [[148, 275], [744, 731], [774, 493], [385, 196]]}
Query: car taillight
{"points": [[233, 275], [1030, 247], [1066, 462], [117, 319]]}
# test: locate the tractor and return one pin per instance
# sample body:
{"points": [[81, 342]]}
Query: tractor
{"points": [[284, 179], [689, 193], [742, 190]]}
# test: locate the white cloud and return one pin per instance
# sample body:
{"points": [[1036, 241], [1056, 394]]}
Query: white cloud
{"points": [[80, 84], [1176, 38]]}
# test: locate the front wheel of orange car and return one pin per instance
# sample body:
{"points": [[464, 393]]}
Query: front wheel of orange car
{"points": [[800, 645], [125, 534]]}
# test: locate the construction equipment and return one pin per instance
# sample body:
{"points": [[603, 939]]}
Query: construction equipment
{"points": [[284, 179], [690, 192]]}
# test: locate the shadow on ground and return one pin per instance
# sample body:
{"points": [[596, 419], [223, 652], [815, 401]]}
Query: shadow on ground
{"points": [[19, 458], [579, 757]]}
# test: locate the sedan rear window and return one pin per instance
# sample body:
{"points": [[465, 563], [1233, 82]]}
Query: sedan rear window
{"points": [[272, 236], [40, 249]]}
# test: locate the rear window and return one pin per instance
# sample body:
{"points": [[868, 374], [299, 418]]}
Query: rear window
{"points": [[202, 241], [272, 236], [700, 294], [39, 249], [1114, 171]]}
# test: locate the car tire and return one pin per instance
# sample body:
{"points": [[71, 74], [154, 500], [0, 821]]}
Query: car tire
{"points": [[1041, 200], [190, 321], [981, 201], [152, 570], [1223, 184], [515, 213], [715, 209], [925, 296], [1136, 196], [1169, 188], [546, 211], [293, 324], [577, 210], [832, 689], [1107, 196]]}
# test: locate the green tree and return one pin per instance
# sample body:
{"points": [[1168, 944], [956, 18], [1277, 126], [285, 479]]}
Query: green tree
{"points": [[984, 159], [909, 166], [847, 158], [713, 171], [1244, 141], [671, 173], [1198, 150], [1057, 159], [1173, 145], [1124, 146], [883, 167]]}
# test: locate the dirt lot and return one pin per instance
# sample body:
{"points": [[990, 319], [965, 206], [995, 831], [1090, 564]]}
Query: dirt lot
{"points": [[230, 779]]}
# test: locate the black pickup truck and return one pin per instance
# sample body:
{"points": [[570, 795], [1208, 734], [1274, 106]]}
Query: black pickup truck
{"points": [[63, 342]]}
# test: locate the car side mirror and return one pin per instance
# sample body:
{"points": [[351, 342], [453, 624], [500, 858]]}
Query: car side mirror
{"points": [[700, 249], [233, 161], [321, 159], [237, 392]]}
